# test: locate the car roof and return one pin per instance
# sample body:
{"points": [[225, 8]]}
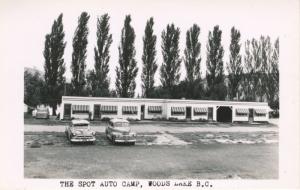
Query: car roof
{"points": [[119, 120], [79, 121]]}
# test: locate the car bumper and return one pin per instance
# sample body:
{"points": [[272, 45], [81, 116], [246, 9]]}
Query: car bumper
{"points": [[83, 139], [124, 140]]}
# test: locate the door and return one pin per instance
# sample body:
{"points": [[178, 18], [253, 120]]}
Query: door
{"points": [[97, 113], [210, 114], [251, 115], [67, 111], [142, 112], [188, 112]]}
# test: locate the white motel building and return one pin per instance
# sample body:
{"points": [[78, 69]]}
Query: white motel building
{"points": [[142, 109]]}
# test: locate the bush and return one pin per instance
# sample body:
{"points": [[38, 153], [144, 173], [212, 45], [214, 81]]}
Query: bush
{"points": [[173, 118]]}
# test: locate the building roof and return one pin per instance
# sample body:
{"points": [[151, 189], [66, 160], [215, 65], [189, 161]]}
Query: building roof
{"points": [[153, 100]]}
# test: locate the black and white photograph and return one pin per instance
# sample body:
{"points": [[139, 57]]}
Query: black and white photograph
{"points": [[151, 94]]}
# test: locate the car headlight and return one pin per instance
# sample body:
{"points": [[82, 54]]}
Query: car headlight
{"points": [[76, 132], [133, 134], [117, 134]]}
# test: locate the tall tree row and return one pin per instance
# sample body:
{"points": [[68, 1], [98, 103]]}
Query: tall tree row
{"points": [[169, 71], [98, 77], [257, 79], [78, 64], [54, 65], [234, 67], [127, 70], [149, 60], [216, 89]]}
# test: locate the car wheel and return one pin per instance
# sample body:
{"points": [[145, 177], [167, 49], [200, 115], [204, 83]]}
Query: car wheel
{"points": [[113, 139], [133, 143]]}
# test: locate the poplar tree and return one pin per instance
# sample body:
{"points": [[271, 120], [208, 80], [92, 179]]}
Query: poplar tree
{"points": [[169, 71], [234, 67], [148, 59], [216, 88], [54, 65], [98, 78], [192, 57], [249, 72], [78, 65], [127, 70], [192, 86]]}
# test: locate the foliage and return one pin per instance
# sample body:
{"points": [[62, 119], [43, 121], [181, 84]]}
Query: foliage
{"points": [[192, 57], [169, 71], [234, 67], [78, 66], [216, 88], [148, 59], [54, 64], [127, 70], [98, 78], [33, 88]]}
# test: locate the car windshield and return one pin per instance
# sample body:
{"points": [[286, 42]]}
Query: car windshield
{"points": [[83, 125], [121, 124]]}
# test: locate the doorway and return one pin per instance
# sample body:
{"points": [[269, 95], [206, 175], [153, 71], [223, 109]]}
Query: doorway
{"points": [[224, 114], [67, 111], [97, 113], [142, 112], [188, 113], [251, 115], [210, 114]]}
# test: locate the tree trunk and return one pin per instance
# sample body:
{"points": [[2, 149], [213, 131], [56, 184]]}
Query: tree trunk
{"points": [[54, 107]]}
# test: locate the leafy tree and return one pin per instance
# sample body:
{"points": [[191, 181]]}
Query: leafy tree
{"points": [[169, 71], [193, 85], [257, 82], [148, 59], [234, 67], [98, 78], [127, 70], [249, 72], [33, 88], [54, 64], [192, 57], [78, 66], [216, 88], [272, 76]]}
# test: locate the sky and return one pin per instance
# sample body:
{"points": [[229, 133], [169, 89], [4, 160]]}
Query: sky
{"points": [[30, 21]]}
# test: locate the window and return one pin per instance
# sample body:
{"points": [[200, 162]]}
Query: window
{"points": [[242, 112], [154, 109], [78, 109], [129, 110], [260, 112], [200, 111], [177, 110], [109, 110]]}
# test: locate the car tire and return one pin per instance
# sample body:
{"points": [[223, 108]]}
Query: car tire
{"points": [[133, 143], [113, 139]]}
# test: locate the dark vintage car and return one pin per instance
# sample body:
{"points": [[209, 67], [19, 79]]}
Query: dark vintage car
{"points": [[119, 131], [80, 131], [42, 113]]}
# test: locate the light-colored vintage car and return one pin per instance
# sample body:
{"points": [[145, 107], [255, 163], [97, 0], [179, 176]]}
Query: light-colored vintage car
{"points": [[42, 113], [119, 131], [80, 131]]}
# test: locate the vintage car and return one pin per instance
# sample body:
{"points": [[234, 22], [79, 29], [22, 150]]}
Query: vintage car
{"points": [[80, 131], [42, 113], [119, 131]]}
